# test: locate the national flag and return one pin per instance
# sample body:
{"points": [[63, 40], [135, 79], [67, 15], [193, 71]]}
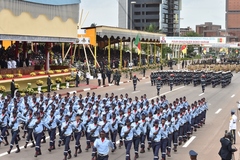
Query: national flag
{"points": [[137, 43], [220, 40], [184, 49], [204, 50]]}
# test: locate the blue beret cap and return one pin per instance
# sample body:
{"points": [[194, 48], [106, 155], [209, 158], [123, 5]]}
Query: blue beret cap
{"points": [[192, 153]]}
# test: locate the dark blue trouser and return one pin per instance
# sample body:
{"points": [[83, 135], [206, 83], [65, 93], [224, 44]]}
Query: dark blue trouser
{"points": [[175, 138], [156, 147], [169, 144], [88, 139], [52, 135], [94, 150], [128, 145], [29, 136], [143, 137], [164, 147], [14, 138], [38, 137], [77, 136], [102, 157], [119, 133], [3, 132], [67, 140], [180, 133], [148, 137], [113, 137], [136, 141]]}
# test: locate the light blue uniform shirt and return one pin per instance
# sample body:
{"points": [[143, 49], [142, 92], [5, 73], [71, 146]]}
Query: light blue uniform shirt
{"points": [[103, 146], [130, 134], [114, 127], [39, 127], [158, 136], [164, 131], [92, 127], [54, 122], [78, 126], [4, 119], [69, 126]]}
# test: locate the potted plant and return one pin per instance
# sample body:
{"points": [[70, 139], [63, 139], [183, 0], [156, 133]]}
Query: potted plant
{"points": [[17, 86], [58, 81], [68, 79], [39, 83], [2, 90]]}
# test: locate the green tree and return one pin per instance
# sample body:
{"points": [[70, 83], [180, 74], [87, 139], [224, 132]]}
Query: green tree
{"points": [[166, 50], [93, 25], [192, 34], [190, 48]]}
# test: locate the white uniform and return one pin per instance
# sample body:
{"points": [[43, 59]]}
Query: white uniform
{"points": [[233, 122]]}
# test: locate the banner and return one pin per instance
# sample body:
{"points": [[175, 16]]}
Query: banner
{"points": [[54, 2], [193, 40]]}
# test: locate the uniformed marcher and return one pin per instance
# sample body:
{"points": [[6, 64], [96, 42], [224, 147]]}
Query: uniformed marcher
{"points": [[127, 134], [78, 128], [233, 126], [134, 80], [136, 135], [203, 82], [102, 144], [3, 126], [155, 136], [158, 85], [171, 81], [164, 138]]}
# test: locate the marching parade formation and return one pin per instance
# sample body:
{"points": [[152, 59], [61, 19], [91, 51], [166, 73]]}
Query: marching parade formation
{"points": [[155, 124]]}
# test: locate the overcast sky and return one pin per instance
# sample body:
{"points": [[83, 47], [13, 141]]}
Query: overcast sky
{"points": [[105, 12]]}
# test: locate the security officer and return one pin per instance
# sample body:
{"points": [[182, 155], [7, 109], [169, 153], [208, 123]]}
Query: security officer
{"points": [[164, 137], [158, 85], [51, 120], [127, 133], [102, 144], [38, 131], [144, 124], [227, 149], [121, 122], [135, 79], [136, 135], [203, 82], [113, 129], [67, 129], [78, 128], [233, 125], [155, 136], [29, 126], [152, 78], [171, 81], [14, 123], [93, 133], [170, 134], [176, 122], [3, 125]]}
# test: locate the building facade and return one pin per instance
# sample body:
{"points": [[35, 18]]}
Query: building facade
{"points": [[139, 14], [233, 19], [184, 31], [208, 29]]}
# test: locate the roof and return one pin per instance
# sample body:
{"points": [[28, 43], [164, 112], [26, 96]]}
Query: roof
{"points": [[123, 33]]}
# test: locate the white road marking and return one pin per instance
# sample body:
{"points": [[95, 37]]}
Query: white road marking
{"points": [[147, 82], [117, 142], [14, 150], [144, 78], [111, 84], [233, 96], [120, 82], [87, 89], [201, 94], [72, 92], [135, 92], [219, 110], [121, 89], [167, 92], [238, 133], [189, 141]]}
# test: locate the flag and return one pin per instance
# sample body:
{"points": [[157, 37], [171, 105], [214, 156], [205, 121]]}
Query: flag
{"points": [[204, 50], [137, 43], [184, 49]]}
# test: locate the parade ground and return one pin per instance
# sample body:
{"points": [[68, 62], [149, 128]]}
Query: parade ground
{"points": [[205, 141]]}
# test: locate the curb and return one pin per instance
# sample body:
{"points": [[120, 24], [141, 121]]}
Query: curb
{"points": [[93, 88]]}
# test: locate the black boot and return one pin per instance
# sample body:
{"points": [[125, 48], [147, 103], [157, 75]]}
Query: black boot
{"points": [[33, 144], [69, 155], [25, 146], [80, 150], [75, 154], [6, 141], [18, 149], [9, 151]]}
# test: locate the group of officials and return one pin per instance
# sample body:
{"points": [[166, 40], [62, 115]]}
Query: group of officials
{"points": [[101, 120]]}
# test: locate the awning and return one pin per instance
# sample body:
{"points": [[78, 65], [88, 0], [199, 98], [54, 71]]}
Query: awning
{"points": [[36, 38]]}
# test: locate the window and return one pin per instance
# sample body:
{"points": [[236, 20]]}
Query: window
{"points": [[137, 13], [152, 13], [137, 5], [137, 20], [152, 20], [152, 5]]}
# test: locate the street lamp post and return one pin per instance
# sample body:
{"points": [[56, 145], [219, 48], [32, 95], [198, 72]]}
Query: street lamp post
{"points": [[131, 47]]}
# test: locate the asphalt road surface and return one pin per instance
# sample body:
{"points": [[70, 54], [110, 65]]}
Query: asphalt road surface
{"points": [[205, 141]]}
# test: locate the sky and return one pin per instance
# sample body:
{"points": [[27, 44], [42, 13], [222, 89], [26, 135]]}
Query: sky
{"points": [[194, 12]]}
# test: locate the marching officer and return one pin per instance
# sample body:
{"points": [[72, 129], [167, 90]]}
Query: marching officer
{"points": [[14, 123], [203, 82], [3, 124], [136, 135], [156, 139], [121, 121], [193, 155], [135, 79], [113, 129], [164, 137], [29, 126], [158, 85], [78, 128], [102, 144], [233, 125], [171, 81], [127, 133], [52, 123], [144, 125]]}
